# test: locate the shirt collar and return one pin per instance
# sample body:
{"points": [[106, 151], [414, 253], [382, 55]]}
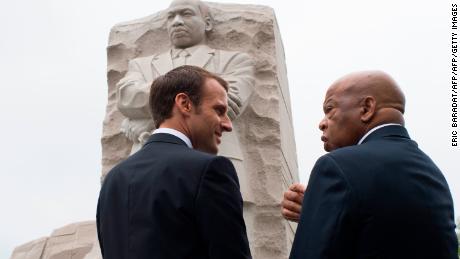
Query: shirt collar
{"points": [[374, 129], [176, 133], [175, 52]]}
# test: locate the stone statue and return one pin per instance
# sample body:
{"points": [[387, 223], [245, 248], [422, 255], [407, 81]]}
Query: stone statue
{"points": [[242, 44], [187, 23], [263, 150]]}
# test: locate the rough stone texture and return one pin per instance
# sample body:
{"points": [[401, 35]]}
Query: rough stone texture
{"points": [[265, 127], [74, 241], [31, 250]]}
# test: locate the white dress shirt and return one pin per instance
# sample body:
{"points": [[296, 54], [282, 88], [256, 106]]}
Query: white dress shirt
{"points": [[374, 129], [174, 133]]}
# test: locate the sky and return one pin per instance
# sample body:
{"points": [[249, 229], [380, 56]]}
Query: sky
{"points": [[54, 91]]}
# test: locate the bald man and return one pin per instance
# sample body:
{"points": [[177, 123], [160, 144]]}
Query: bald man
{"points": [[375, 194]]}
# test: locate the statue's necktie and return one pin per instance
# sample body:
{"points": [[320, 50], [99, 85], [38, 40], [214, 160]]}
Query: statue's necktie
{"points": [[181, 58]]}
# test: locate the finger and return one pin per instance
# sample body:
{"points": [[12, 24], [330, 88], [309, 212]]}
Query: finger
{"points": [[235, 98], [231, 114], [289, 215], [234, 89], [233, 106], [291, 206], [298, 187], [123, 81], [294, 197]]}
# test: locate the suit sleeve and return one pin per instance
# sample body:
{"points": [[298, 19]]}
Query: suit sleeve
{"points": [[98, 227], [219, 210], [325, 228]]}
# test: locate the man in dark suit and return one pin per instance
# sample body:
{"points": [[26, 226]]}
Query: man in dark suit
{"points": [[376, 194], [175, 198]]}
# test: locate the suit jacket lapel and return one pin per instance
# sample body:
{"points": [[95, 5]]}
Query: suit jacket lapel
{"points": [[162, 63], [201, 56]]}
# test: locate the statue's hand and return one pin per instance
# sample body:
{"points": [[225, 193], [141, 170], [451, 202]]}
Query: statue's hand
{"points": [[127, 80], [133, 129], [234, 103]]}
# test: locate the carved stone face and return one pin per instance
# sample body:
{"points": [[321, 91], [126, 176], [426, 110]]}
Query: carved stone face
{"points": [[186, 25]]}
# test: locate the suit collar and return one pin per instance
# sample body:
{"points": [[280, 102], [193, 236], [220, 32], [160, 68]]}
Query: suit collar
{"points": [[176, 133], [190, 50], [374, 129], [200, 56], [387, 131], [165, 138]]}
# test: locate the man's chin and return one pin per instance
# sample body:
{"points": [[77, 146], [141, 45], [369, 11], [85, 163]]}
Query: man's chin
{"points": [[181, 43], [327, 147]]}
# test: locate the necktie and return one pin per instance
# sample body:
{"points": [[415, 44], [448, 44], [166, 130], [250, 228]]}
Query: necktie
{"points": [[180, 60]]}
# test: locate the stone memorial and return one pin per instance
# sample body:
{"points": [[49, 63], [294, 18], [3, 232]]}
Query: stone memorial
{"points": [[242, 44], [74, 241]]}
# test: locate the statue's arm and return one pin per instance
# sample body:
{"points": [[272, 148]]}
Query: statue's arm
{"points": [[133, 102], [239, 73], [133, 93]]}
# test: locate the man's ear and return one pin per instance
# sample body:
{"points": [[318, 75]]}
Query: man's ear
{"points": [[368, 108], [183, 103], [208, 24]]}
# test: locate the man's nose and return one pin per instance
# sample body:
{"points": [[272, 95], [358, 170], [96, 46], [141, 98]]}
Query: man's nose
{"points": [[226, 124], [178, 20], [322, 124]]}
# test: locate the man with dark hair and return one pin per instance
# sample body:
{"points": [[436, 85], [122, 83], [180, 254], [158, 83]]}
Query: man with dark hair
{"points": [[175, 198], [187, 79], [376, 194], [187, 22]]}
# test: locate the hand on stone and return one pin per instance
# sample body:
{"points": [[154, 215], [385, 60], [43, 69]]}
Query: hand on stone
{"points": [[133, 129], [234, 103], [292, 202]]}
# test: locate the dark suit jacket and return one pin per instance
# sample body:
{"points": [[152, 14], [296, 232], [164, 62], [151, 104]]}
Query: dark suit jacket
{"points": [[168, 201], [384, 198]]}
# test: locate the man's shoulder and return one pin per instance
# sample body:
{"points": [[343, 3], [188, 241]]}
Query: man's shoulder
{"points": [[347, 157], [347, 152], [203, 157], [177, 154], [203, 161], [173, 156]]}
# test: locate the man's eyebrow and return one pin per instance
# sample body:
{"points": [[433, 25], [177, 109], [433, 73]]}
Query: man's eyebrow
{"points": [[178, 10], [328, 101]]}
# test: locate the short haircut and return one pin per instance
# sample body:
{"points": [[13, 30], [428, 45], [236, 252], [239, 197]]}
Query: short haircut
{"points": [[184, 79]]}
